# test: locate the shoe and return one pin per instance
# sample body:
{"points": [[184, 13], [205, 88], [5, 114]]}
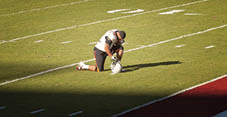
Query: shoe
{"points": [[81, 64], [79, 68]]}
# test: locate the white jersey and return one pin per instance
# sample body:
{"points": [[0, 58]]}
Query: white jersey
{"points": [[110, 34]]}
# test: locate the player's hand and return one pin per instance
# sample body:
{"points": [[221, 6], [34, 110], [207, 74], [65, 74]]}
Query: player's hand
{"points": [[114, 59]]}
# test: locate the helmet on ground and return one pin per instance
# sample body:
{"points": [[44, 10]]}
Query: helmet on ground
{"points": [[116, 67]]}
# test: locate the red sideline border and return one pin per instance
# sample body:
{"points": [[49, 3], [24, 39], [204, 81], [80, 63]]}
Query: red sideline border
{"points": [[165, 98]]}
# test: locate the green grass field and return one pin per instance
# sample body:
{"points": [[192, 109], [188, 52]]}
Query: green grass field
{"points": [[32, 41]]}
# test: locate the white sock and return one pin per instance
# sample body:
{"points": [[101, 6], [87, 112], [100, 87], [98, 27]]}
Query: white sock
{"points": [[85, 66]]}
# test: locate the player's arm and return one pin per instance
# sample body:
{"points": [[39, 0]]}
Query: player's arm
{"points": [[109, 52], [107, 46]]}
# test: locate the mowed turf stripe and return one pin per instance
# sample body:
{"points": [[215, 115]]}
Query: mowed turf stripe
{"points": [[100, 21], [204, 100], [130, 50]]}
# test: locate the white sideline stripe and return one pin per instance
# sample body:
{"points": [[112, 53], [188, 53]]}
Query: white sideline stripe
{"points": [[37, 111], [101, 21], [73, 114], [174, 94], [44, 8], [145, 46]]}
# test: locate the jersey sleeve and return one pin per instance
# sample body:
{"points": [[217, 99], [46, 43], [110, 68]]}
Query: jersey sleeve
{"points": [[108, 40], [110, 37]]}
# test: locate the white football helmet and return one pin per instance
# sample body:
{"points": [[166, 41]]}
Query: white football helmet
{"points": [[116, 67]]}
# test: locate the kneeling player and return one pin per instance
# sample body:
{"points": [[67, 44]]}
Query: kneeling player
{"points": [[110, 43]]}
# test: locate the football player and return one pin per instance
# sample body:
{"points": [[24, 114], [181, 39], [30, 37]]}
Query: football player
{"points": [[110, 43]]}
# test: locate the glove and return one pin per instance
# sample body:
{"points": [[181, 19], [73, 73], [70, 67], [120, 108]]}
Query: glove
{"points": [[114, 59]]}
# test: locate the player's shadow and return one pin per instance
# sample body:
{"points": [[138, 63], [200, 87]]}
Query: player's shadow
{"points": [[130, 68]]}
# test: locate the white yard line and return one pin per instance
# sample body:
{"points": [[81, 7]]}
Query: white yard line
{"points": [[164, 98], [100, 21], [130, 50], [44, 8]]}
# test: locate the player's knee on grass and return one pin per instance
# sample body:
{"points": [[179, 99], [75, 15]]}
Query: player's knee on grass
{"points": [[99, 69]]}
